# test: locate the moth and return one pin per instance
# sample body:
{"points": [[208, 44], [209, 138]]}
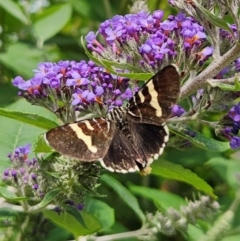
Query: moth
{"points": [[129, 138]]}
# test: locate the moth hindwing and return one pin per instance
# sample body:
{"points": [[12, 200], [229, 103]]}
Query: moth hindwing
{"points": [[130, 138]]}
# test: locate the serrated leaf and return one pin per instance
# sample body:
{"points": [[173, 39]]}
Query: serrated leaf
{"points": [[52, 21], [76, 214], [14, 9], [70, 223], [48, 198], [124, 194], [162, 199], [216, 21], [101, 211], [177, 172], [200, 140], [8, 195], [29, 118]]}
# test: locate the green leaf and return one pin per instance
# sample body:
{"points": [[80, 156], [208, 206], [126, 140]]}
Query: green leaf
{"points": [[48, 198], [30, 58], [124, 194], [177, 172], [101, 211], [40, 145], [13, 8], [200, 140], [29, 118], [57, 234], [15, 133], [124, 66], [227, 169], [7, 212], [71, 224], [227, 87], [163, 199], [52, 21], [8, 195], [108, 65], [82, 7], [194, 232], [137, 76], [232, 238], [76, 214], [216, 21]]}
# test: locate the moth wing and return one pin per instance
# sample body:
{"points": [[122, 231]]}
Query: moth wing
{"points": [[150, 140], [86, 140], [122, 156], [153, 102]]}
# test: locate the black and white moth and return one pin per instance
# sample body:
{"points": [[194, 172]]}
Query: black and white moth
{"points": [[130, 137]]}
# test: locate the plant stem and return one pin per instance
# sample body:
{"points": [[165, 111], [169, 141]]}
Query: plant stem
{"points": [[22, 228], [125, 235], [200, 81]]}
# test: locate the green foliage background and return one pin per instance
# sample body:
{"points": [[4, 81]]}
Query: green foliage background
{"points": [[53, 33]]}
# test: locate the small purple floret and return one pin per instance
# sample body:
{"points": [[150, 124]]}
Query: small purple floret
{"points": [[235, 142], [234, 113]]}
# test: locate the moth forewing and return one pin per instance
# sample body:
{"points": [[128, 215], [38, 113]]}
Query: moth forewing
{"points": [[86, 140]]}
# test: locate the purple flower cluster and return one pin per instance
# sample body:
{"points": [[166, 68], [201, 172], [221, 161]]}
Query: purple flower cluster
{"points": [[23, 172], [156, 41], [35, 178], [75, 85], [232, 131]]}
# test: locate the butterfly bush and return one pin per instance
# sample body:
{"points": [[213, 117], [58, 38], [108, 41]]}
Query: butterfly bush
{"points": [[135, 43], [145, 42]]}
